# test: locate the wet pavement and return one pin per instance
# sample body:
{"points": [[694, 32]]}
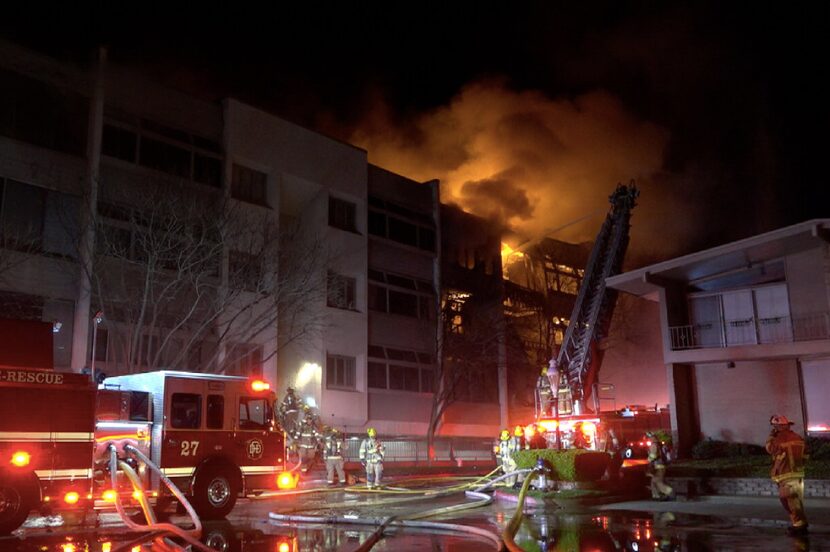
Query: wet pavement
{"points": [[632, 526]]}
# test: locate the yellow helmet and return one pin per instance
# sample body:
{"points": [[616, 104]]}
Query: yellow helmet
{"points": [[519, 431], [544, 370], [371, 432], [505, 435]]}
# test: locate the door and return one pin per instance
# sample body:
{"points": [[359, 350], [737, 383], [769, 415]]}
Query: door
{"points": [[707, 321], [739, 318], [773, 307]]}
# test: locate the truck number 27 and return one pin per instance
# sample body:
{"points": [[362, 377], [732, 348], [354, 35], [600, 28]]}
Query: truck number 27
{"points": [[189, 448]]}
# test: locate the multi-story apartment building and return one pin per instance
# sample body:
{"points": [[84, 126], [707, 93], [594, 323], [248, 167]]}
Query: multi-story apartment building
{"points": [[745, 333], [161, 231]]}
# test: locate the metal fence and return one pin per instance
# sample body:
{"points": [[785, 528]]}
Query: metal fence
{"points": [[447, 449], [750, 331]]}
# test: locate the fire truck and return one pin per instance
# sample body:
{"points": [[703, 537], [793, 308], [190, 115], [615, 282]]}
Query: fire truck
{"points": [[214, 436], [579, 357]]}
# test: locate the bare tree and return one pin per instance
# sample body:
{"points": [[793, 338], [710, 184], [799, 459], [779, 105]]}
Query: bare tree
{"points": [[194, 282]]}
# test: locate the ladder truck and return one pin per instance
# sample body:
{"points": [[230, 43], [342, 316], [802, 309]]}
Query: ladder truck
{"points": [[579, 357]]}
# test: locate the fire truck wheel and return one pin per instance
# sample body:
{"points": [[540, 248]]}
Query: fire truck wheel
{"points": [[18, 497], [215, 491]]}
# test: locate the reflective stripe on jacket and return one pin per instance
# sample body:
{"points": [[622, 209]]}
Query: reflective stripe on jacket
{"points": [[372, 451], [787, 450]]}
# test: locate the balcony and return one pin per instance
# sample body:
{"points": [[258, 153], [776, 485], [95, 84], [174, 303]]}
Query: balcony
{"points": [[750, 331]]}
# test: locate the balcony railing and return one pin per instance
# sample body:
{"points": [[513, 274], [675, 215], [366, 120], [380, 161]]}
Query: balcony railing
{"points": [[750, 331]]}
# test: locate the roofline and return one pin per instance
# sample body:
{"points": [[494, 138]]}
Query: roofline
{"points": [[813, 226]]}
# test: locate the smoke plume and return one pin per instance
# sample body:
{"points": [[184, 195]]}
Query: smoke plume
{"points": [[534, 164]]}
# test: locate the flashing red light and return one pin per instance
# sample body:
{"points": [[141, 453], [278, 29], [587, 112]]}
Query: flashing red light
{"points": [[648, 443], [286, 480], [549, 425], [589, 427], [108, 495], [259, 385], [21, 458], [71, 497], [284, 547], [530, 430]]}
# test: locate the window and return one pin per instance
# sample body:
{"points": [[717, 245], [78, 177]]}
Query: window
{"points": [[42, 114], [403, 232], [244, 270], [249, 185], [377, 224], [415, 297], [139, 406], [165, 149], [186, 411], [254, 413], [244, 359], [215, 418], [340, 372], [420, 234], [411, 371], [342, 214], [340, 291]]}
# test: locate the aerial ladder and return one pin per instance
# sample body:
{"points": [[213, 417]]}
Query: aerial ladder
{"points": [[579, 357]]}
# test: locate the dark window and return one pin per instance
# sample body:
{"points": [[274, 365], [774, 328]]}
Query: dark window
{"points": [[165, 157], [403, 378], [119, 143], [403, 232], [377, 352], [186, 411], [426, 239], [23, 212], [377, 224], [207, 170], [340, 372], [425, 358], [215, 418], [377, 375], [253, 413], [249, 185], [398, 354], [377, 298], [42, 114], [400, 281], [342, 214], [139, 406], [340, 292], [425, 308], [427, 380], [376, 275], [403, 303], [166, 131]]}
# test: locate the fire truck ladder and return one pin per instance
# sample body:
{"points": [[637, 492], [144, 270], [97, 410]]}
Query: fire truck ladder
{"points": [[591, 316]]}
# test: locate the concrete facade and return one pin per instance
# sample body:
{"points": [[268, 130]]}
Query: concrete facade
{"points": [[745, 334]]}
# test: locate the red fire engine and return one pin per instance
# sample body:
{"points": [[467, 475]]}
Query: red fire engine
{"points": [[214, 436]]}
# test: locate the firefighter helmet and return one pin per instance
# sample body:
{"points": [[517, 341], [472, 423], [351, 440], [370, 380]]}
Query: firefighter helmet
{"points": [[306, 408], [518, 431], [779, 419], [544, 370], [371, 432], [289, 390], [505, 435]]}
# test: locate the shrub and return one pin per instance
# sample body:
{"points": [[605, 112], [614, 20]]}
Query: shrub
{"points": [[710, 448], [568, 465]]}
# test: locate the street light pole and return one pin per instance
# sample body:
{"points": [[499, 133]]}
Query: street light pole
{"points": [[99, 317]]}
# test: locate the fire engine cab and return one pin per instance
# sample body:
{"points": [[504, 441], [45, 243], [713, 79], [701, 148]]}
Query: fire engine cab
{"points": [[214, 436]]}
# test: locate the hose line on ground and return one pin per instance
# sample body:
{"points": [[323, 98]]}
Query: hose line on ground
{"points": [[516, 521]]}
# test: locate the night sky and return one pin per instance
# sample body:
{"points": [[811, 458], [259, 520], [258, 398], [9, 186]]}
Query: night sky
{"points": [[528, 113]]}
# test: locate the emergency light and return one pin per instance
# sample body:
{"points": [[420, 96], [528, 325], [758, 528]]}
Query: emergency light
{"points": [[286, 480], [21, 458], [259, 385], [71, 497]]}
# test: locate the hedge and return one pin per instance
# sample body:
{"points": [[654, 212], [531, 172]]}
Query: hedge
{"points": [[568, 465]]}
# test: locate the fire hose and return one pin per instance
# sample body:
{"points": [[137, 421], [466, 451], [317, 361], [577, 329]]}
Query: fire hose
{"points": [[155, 531]]}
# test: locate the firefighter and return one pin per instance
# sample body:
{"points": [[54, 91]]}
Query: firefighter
{"points": [[289, 410], [507, 446], [518, 438], [614, 450], [535, 437], [787, 450], [308, 440], [544, 394], [333, 455], [579, 440], [657, 469], [371, 456]]}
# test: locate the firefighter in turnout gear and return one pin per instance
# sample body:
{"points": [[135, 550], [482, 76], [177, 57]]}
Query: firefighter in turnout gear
{"points": [[787, 450], [309, 438], [333, 455], [371, 456], [544, 394], [507, 446], [657, 469]]}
